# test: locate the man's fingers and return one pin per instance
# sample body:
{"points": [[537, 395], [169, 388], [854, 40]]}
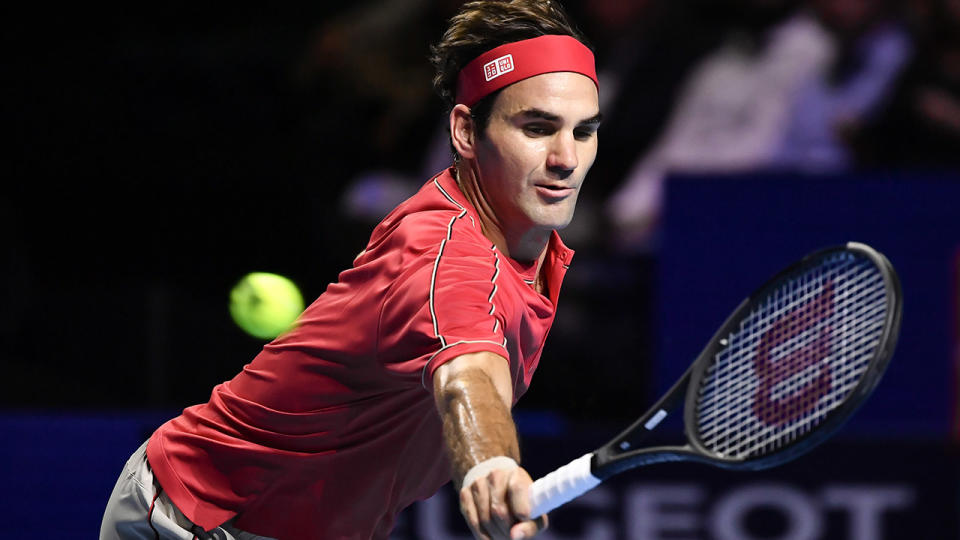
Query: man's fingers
{"points": [[469, 510], [499, 496], [529, 528], [497, 505], [500, 516], [518, 494], [481, 500]]}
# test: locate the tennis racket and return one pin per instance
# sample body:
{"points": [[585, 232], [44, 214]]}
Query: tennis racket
{"points": [[787, 368]]}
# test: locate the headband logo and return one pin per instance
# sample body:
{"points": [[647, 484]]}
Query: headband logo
{"points": [[498, 67]]}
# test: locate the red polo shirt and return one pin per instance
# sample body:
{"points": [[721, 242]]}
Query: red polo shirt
{"points": [[332, 429]]}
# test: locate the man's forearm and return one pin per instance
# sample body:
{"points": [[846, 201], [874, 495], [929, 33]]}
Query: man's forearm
{"points": [[476, 423], [474, 393]]}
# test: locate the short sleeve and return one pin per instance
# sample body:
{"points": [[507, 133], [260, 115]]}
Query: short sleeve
{"points": [[445, 308]]}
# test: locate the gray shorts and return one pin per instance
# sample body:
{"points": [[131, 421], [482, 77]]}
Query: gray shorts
{"points": [[129, 516]]}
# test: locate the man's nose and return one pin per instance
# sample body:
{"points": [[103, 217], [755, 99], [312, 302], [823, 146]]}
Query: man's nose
{"points": [[562, 157]]}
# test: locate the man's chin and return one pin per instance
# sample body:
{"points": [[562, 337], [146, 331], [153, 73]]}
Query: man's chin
{"points": [[556, 224]]}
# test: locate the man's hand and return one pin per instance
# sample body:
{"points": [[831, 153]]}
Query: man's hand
{"points": [[497, 505]]}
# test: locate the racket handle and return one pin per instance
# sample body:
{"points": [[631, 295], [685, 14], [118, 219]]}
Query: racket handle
{"points": [[562, 485]]}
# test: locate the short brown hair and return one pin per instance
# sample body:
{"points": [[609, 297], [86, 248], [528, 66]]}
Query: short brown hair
{"points": [[482, 25]]}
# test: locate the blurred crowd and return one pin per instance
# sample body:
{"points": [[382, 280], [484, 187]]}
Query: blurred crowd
{"points": [[694, 86], [698, 86]]}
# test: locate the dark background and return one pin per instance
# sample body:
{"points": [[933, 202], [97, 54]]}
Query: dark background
{"points": [[159, 153], [160, 156]]}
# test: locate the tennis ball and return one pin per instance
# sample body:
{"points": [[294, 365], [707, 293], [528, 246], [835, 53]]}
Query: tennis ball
{"points": [[265, 305]]}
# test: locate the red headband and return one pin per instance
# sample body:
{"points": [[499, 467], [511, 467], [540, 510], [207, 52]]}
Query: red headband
{"points": [[512, 62]]}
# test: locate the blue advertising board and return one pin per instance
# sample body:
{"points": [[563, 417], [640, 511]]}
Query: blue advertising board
{"points": [[725, 236]]}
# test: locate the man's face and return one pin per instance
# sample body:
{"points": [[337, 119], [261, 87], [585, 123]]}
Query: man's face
{"points": [[539, 144]]}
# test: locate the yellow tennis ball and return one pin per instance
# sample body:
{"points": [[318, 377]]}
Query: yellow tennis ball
{"points": [[265, 305]]}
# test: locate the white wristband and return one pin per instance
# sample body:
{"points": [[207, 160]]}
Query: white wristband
{"points": [[482, 468]]}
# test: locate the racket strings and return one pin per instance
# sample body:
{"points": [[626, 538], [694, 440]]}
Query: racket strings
{"points": [[803, 379], [794, 359]]}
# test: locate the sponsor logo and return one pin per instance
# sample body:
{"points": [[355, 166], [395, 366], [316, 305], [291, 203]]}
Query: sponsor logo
{"points": [[498, 67]]}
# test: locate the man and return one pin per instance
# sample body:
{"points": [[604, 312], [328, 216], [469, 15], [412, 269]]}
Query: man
{"points": [[405, 370]]}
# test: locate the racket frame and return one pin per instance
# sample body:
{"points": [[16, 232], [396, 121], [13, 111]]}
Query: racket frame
{"points": [[616, 456]]}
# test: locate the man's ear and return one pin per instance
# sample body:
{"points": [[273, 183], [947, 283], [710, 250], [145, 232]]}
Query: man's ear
{"points": [[462, 131]]}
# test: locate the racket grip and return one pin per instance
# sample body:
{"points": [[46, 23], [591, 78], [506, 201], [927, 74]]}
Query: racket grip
{"points": [[562, 485]]}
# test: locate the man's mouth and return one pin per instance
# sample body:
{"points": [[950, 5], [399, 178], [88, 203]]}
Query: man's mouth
{"points": [[554, 191]]}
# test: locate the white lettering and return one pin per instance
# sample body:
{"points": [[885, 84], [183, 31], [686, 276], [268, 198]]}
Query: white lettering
{"points": [[654, 512], [596, 527], [685, 511], [866, 505], [804, 521]]}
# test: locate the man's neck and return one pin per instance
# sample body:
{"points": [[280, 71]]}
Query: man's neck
{"points": [[524, 245]]}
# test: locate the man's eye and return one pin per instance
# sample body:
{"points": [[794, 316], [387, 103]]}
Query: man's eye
{"points": [[583, 134], [537, 129]]}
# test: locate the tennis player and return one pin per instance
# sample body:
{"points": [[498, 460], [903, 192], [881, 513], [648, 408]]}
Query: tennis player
{"points": [[402, 374]]}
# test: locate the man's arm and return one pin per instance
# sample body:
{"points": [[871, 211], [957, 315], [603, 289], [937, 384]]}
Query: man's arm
{"points": [[473, 394]]}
